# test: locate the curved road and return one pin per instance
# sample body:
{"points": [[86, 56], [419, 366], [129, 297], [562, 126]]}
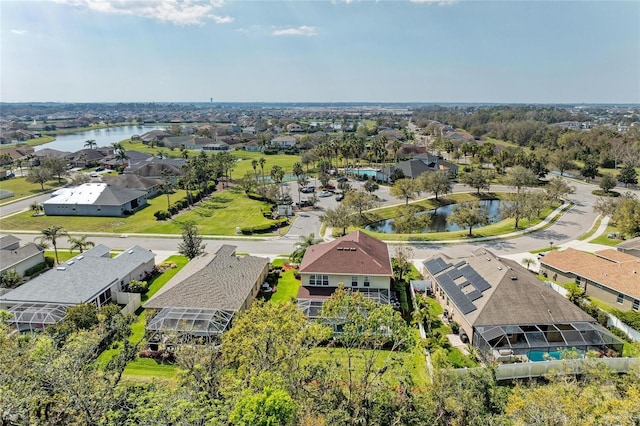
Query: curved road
{"points": [[573, 223]]}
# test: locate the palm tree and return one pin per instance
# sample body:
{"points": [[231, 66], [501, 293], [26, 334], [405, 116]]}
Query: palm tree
{"points": [[80, 244], [301, 247], [121, 156], [261, 162], [91, 144], [51, 235], [184, 153], [527, 261], [395, 146], [254, 164]]}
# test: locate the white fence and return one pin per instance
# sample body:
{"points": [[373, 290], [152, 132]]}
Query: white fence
{"points": [[613, 320], [130, 300], [572, 366]]}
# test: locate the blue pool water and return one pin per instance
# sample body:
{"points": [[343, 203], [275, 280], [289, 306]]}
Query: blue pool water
{"points": [[362, 172], [540, 355]]}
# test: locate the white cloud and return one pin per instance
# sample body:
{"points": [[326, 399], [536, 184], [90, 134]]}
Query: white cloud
{"points": [[178, 12], [302, 30], [19, 32]]}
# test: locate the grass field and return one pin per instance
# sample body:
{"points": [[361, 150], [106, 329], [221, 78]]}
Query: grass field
{"points": [[21, 188], [604, 240], [219, 215], [414, 362]]}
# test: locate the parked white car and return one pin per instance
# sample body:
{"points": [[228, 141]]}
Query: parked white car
{"points": [[325, 194]]}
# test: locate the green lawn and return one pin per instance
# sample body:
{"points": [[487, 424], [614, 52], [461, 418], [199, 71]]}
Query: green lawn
{"points": [[288, 287], [34, 142], [602, 239], [244, 164], [21, 188], [146, 369], [219, 215], [413, 362]]}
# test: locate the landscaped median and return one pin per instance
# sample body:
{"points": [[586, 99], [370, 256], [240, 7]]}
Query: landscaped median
{"points": [[220, 214]]}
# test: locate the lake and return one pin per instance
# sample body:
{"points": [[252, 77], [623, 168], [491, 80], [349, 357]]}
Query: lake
{"points": [[439, 220], [104, 137]]}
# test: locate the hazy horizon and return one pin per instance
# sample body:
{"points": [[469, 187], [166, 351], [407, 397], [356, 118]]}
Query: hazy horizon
{"points": [[403, 52]]}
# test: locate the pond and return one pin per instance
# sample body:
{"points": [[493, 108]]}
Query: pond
{"points": [[439, 220]]}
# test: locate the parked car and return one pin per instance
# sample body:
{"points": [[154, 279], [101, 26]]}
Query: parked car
{"points": [[265, 287], [99, 169], [340, 197], [541, 255], [10, 175], [94, 174], [342, 179], [307, 189], [330, 187], [305, 203], [325, 194]]}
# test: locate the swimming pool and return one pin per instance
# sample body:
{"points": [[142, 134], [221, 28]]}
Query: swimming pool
{"points": [[537, 356], [362, 172]]}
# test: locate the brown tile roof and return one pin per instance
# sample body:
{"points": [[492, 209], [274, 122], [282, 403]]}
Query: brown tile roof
{"points": [[356, 253], [621, 273]]}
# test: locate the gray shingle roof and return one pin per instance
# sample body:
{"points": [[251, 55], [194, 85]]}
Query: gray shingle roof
{"points": [[9, 258], [116, 196], [8, 241], [82, 279], [131, 181], [219, 280]]}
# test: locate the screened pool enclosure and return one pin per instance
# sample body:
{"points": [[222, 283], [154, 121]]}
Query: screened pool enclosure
{"points": [[187, 324]]}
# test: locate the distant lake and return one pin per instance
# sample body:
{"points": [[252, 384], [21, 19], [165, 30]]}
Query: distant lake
{"points": [[439, 219], [104, 137]]}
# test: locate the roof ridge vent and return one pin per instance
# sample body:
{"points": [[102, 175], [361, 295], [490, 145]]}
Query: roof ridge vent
{"points": [[70, 262], [61, 268], [80, 257]]}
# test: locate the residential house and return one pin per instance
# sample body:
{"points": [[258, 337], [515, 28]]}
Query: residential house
{"points": [[13, 256], [253, 146], [631, 247], [154, 136], [422, 163], [110, 162], [357, 261], [607, 275], [174, 141], [133, 181], [294, 128], [94, 199], [508, 314], [88, 157], [202, 298], [91, 277], [283, 142], [157, 168], [216, 147]]}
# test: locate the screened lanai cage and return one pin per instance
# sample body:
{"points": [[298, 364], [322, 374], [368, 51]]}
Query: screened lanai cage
{"points": [[311, 307], [181, 325], [30, 317], [541, 342]]}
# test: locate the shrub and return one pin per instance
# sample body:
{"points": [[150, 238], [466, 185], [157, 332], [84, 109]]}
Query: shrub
{"points": [[455, 327], [270, 151], [162, 215], [601, 193], [35, 269], [165, 266], [49, 261], [136, 286]]}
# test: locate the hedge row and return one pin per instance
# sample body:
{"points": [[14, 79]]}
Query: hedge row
{"points": [[35, 269], [267, 227], [183, 203]]}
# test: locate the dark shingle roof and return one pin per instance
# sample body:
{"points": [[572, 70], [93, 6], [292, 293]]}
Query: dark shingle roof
{"points": [[356, 253], [219, 280], [131, 181]]}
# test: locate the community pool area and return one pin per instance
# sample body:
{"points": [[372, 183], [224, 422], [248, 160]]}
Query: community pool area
{"points": [[537, 356], [362, 172]]}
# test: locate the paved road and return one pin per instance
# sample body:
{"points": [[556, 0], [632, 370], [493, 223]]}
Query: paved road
{"points": [[574, 223]]}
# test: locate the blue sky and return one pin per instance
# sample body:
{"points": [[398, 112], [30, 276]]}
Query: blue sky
{"points": [[320, 51]]}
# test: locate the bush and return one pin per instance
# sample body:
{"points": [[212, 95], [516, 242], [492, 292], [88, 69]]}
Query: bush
{"points": [[35, 269], [165, 266], [270, 152], [49, 261], [455, 327], [136, 286], [162, 215], [601, 193]]}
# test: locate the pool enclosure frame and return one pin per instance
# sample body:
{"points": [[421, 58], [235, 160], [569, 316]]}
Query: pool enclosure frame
{"points": [[35, 316], [517, 341], [187, 324]]}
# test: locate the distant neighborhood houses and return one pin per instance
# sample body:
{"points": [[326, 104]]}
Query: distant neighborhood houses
{"points": [[19, 258]]}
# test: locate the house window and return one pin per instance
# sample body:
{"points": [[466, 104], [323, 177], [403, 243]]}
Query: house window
{"points": [[316, 279], [620, 298], [367, 282], [636, 305], [354, 281]]}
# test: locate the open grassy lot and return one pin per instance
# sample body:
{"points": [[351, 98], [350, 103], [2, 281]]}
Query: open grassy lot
{"points": [[21, 188], [414, 361], [604, 240], [219, 215], [244, 164]]}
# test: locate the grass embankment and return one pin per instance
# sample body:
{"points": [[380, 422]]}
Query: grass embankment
{"points": [[21, 188], [218, 215], [288, 287], [144, 369], [499, 228]]}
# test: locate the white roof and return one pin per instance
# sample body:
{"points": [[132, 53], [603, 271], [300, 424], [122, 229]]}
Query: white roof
{"points": [[86, 193]]}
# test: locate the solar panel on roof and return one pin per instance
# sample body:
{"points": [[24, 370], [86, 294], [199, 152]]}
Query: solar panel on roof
{"points": [[459, 264], [476, 280], [436, 265], [474, 295]]}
